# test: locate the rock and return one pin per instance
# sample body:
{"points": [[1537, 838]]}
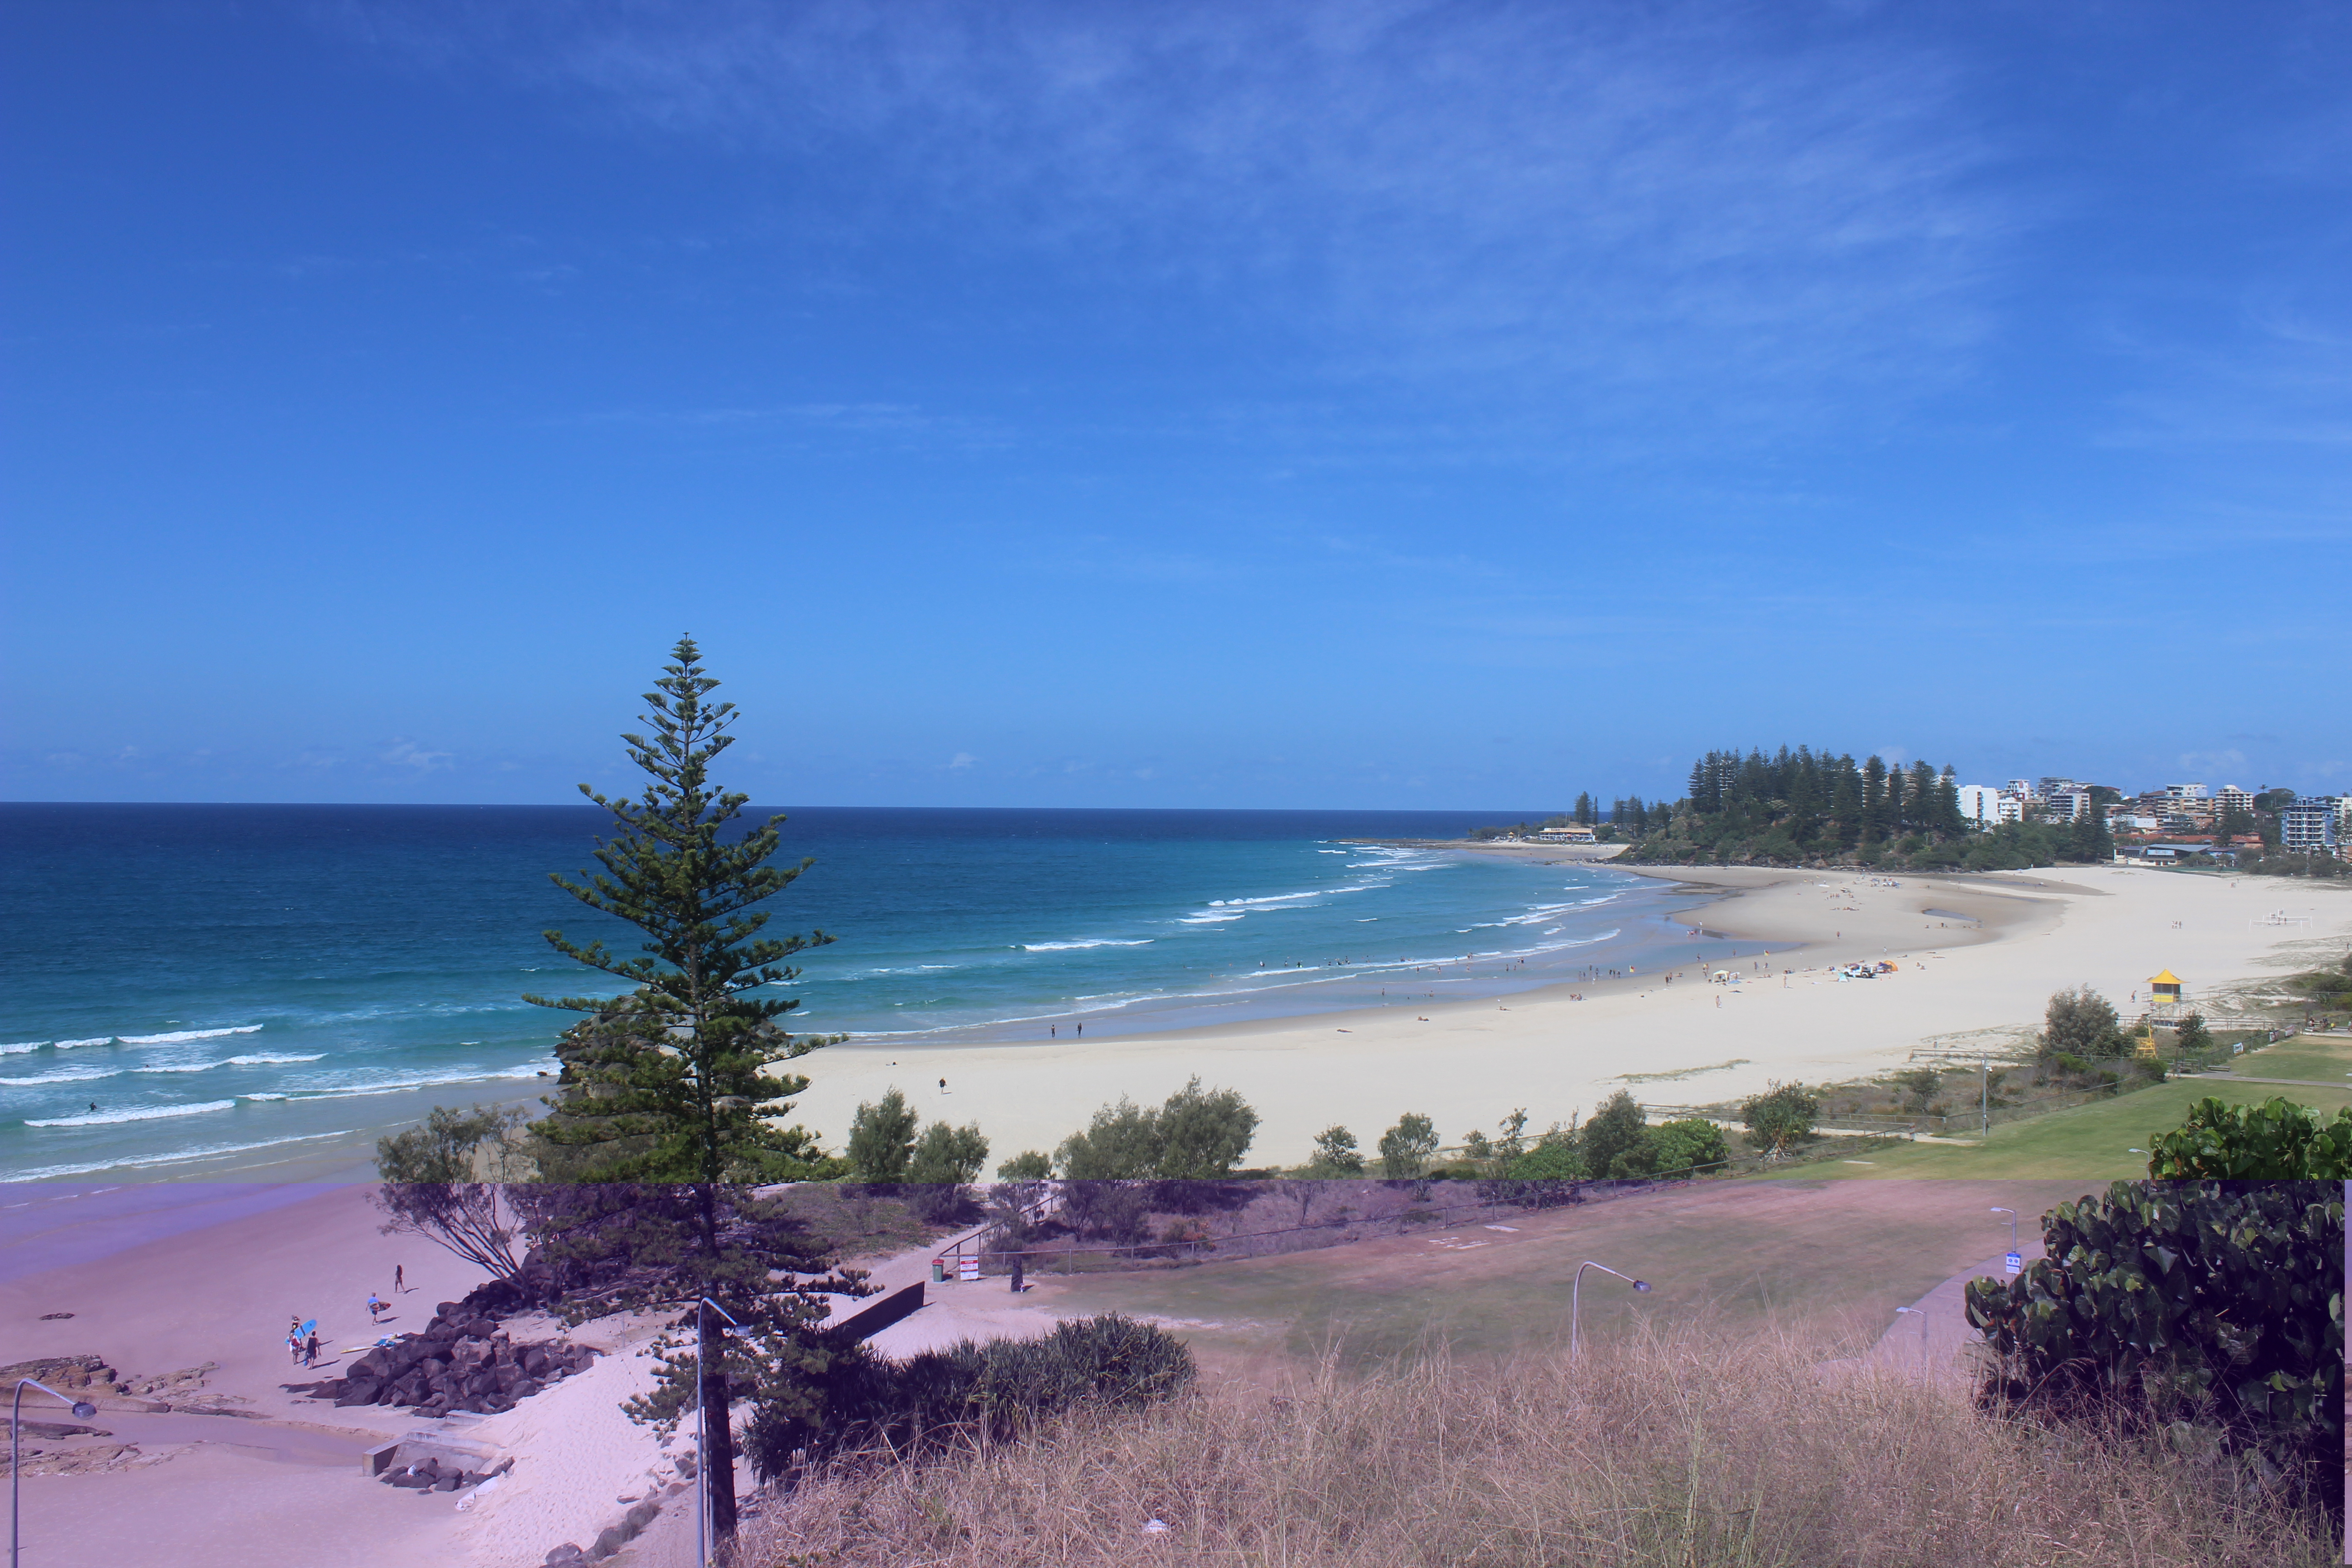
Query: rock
{"points": [[609, 1540], [356, 1391], [448, 1483], [567, 1552], [637, 1518]]}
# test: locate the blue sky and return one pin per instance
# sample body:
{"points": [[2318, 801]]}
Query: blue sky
{"points": [[1267, 404]]}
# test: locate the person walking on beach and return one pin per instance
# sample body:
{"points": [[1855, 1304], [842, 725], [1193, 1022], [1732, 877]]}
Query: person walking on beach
{"points": [[1082, 1031], [310, 1349], [374, 1307], [396, 1279], [943, 1086], [294, 1339]]}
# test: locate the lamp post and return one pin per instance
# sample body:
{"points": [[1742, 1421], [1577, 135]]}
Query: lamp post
{"points": [[83, 1410], [2015, 1261], [706, 1336], [1920, 1313], [1575, 1285]]}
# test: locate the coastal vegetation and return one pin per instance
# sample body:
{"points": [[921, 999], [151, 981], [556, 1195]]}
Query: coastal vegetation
{"points": [[2206, 1315], [1695, 1443]]}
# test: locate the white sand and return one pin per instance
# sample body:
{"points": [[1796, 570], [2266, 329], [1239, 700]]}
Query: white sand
{"points": [[1471, 1062]]}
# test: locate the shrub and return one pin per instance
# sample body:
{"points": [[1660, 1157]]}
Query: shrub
{"points": [[1782, 1117], [1405, 1148], [1029, 1165], [2276, 1141], [947, 1155], [2175, 1307], [1336, 1154], [1618, 1131], [1553, 1160], [1690, 1147], [882, 1140], [2192, 1036], [998, 1390], [2080, 1022], [1197, 1135]]}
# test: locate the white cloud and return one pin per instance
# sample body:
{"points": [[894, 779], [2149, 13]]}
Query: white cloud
{"points": [[961, 762], [408, 754]]}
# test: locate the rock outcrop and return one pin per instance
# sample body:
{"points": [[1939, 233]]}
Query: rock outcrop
{"points": [[462, 1360]]}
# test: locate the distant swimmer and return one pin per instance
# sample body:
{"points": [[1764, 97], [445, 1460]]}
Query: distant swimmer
{"points": [[93, 1105]]}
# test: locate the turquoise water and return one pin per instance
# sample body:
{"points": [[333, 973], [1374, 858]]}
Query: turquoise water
{"points": [[210, 980]]}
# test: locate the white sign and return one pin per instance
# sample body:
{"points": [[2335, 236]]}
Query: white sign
{"points": [[968, 1269], [2016, 1263]]}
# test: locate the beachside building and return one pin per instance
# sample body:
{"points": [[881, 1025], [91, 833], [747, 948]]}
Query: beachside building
{"points": [[1574, 833], [2313, 825], [2229, 797], [1980, 804], [2070, 804]]}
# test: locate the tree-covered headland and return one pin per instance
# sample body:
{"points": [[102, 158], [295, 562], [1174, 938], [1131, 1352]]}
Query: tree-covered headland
{"points": [[1808, 807]]}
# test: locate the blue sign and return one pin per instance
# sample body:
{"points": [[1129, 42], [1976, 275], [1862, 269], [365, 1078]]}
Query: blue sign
{"points": [[2016, 1263]]}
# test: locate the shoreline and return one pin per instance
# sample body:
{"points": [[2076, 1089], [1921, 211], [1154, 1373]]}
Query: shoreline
{"points": [[1974, 976]]}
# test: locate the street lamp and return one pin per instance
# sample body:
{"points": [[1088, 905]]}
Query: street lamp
{"points": [[705, 1338], [83, 1410], [1920, 1313], [1577, 1284]]}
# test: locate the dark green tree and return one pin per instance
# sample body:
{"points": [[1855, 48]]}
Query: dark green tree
{"points": [[1780, 1118], [1617, 1136], [1691, 1147], [671, 1079], [1336, 1154], [669, 1082], [1875, 817], [1584, 811], [947, 1156], [1405, 1148], [2192, 1036], [2080, 1022], [882, 1139], [1029, 1165]]}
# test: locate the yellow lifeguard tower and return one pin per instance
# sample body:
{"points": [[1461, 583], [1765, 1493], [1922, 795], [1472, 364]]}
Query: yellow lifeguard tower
{"points": [[2163, 988]]}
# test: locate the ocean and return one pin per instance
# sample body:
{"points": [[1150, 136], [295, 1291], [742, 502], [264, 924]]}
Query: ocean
{"points": [[196, 989]]}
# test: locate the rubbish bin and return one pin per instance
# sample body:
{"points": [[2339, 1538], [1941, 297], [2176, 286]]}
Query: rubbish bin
{"points": [[938, 1270]]}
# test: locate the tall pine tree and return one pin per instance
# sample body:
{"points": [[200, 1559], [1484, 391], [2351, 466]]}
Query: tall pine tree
{"points": [[669, 1081]]}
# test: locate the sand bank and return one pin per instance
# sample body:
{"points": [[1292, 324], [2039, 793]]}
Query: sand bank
{"points": [[1977, 957]]}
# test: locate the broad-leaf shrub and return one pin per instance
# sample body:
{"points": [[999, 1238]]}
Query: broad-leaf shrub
{"points": [[2212, 1310]]}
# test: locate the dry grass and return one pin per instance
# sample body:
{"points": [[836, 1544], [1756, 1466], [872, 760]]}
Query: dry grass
{"points": [[1696, 1449]]}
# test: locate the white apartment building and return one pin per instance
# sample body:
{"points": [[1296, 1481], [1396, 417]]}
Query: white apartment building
{"points": [[2185, 792], [1980, 804], [2313, 825], [2071, 803], [2229, 797]]}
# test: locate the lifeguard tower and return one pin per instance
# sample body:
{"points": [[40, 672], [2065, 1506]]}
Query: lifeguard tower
{"points": [[2163, 994]]}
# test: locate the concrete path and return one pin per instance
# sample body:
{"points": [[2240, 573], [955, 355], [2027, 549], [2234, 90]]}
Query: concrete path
{"points": [[1941, 1348]]}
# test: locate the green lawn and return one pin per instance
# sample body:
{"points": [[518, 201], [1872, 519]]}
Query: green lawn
{"points": [[2309, 1057], [2087, 1144]]}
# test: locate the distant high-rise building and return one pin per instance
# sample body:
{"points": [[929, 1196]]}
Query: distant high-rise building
{"points": [[2047, 786], [2185, 790], [2229, 797], [2313, 825]]}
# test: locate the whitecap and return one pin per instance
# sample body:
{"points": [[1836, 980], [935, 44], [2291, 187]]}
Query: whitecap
{"points": [[266, 1059], [177, 1036], [151, 1113], [20, 1050], [1068, 946], [69, 1044], [203, 1151], [72, 1075]]}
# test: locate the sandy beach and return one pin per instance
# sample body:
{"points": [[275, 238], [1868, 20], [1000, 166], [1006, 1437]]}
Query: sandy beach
{"points": [[199, 1281], [1977, 960]]}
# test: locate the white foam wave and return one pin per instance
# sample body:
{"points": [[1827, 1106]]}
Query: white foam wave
{"points": [[69, 1044], [265, 1097], [180, 1066], [72, 1075], [204, 1151], [390, 1086], [19, 1050], [1208, 919], [178, 1035], [1071, 946], [151, 1113], [265, 1058]]}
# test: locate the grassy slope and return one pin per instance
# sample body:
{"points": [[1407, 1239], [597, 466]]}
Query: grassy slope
{"points": [[1838, 1257], [2094, 1142]]}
